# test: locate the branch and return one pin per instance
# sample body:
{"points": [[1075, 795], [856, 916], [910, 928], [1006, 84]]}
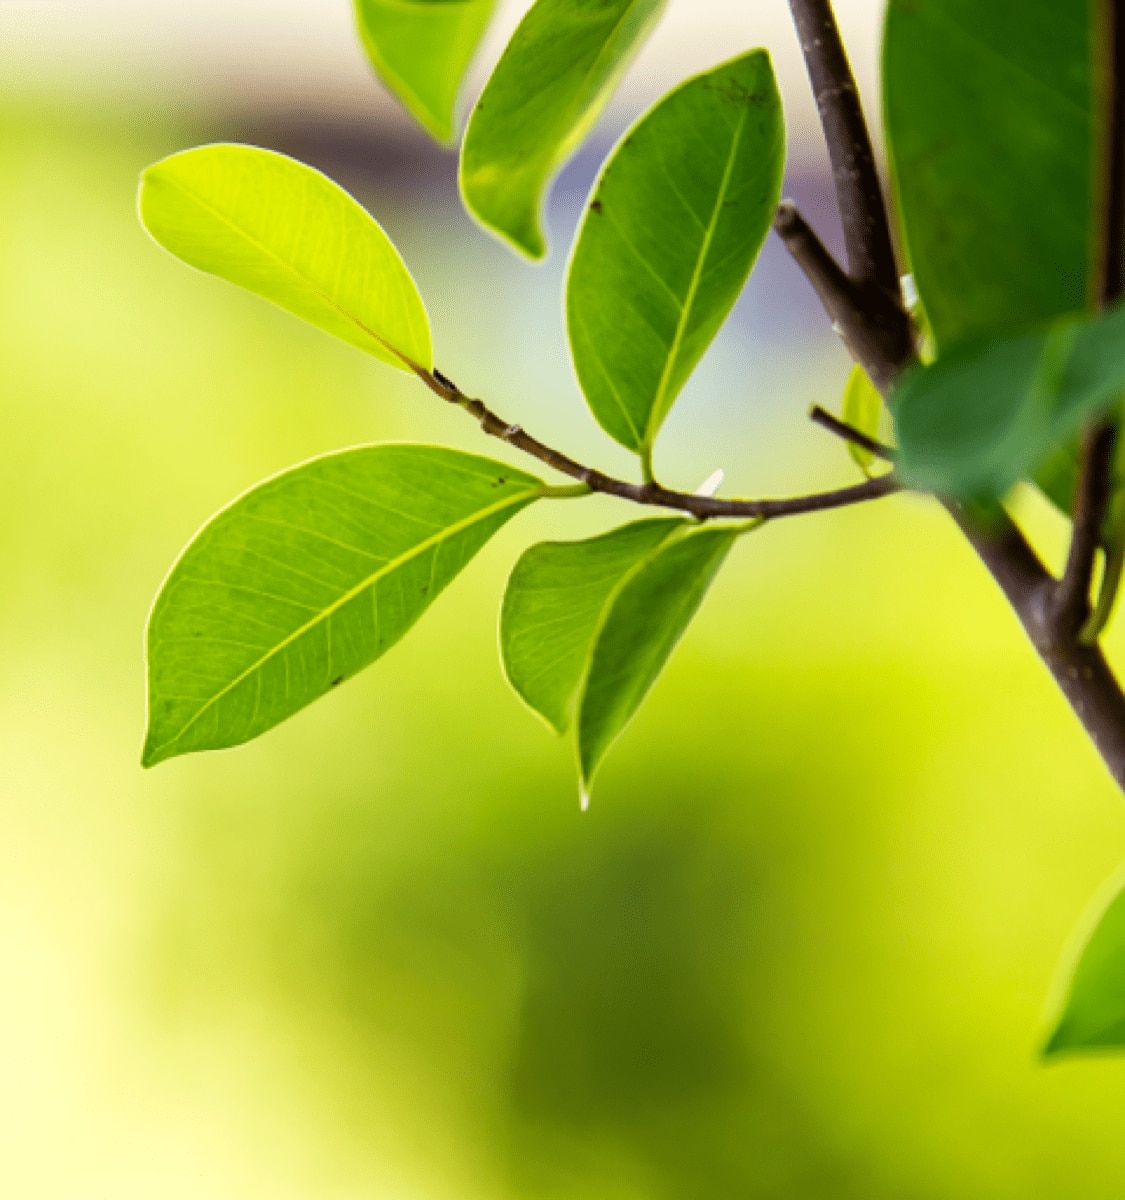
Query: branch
{"points": [[703, 508], [1095, 475], [849, 433], [874, 325], [867, 232], [875, 334]]}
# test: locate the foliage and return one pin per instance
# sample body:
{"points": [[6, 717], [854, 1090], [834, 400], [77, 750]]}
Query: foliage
{"points": [[996, 121]]}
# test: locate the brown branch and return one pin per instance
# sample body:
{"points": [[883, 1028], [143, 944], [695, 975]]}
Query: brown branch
{"points": [[1095, 473], [875, 335], [875, 327], [849, 433], [867, 232], [1071, 599], [703, 508]]}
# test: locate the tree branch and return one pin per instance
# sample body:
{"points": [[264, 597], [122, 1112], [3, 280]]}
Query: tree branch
{"points": [[1095, 475], [867, 232], [875, 336], [703, 508], [874, 325]]}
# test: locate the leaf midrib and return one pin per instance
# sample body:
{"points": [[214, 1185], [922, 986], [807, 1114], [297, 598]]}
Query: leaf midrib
{"points": [[655, 415], [304, 280], [326, 613]]}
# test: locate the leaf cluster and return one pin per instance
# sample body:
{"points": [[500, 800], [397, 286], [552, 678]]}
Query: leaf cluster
{"points": [[997, 126]]}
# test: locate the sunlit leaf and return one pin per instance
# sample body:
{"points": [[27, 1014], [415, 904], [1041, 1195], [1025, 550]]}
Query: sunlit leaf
{"points": [[422, 49], [862, 410], [555, 601], [551, 83], [307, 579], [993, 117], [645, 619], [981, 417], [286, 232], [671, 233], [1093, 1012]]}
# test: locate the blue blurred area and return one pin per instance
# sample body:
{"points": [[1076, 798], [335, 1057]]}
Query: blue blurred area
{"points": [[798, 948]]}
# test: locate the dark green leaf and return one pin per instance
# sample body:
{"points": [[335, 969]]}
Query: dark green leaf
{"points": [[422, 49], [307, 579], [646, 617], [286, 232], [546, 92], [982, 417], [1093, 1012], [553, 606], [993, 114], [672, 231]]}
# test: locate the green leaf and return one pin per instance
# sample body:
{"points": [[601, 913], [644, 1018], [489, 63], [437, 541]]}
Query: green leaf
{"points": [[862, 410], [548, 89], [307, 579], [421, 50], [983, 416], [668, 240], [555, 601], [1093, 1010], [645, 619], [993, 115], [285, 232]]}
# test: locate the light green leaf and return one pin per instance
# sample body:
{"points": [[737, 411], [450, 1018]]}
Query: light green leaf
{"points": [[647, 615], [1092, 1014], [983, 416], [862, 410], [548, 89], [993, 115], [667, 243], [307, 579], [553, 606], [422, 49], [286, 232]]}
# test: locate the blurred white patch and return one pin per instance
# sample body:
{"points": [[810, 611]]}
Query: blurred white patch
{"points": [[711, 484]]}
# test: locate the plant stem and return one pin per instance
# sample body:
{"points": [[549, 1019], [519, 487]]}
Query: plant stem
{"points": [[849, 433], [867, 232], [861, 315], [703, 508], [1095, 474]]}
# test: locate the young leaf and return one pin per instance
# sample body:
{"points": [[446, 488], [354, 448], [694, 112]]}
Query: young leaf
{"points": [[286, 232], [645, 619], [421, 49], [307, 579], [548, 89], [862, 410], [553, 606], [1093, 1012], [983, 416], [993, 115], [672, 230]]}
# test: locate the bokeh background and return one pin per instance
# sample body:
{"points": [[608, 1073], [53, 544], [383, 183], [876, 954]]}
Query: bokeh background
{"points": [[801, 944]]}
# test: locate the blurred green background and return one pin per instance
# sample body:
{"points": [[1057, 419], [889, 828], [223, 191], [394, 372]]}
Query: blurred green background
{"points": [[799, 947]]}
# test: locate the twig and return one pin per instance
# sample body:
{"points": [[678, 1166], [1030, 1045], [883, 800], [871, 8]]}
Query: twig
{"points": [[703, 508], [867, 234], [875, 327], [823, 418], [1071, 606], [1095, 474]]}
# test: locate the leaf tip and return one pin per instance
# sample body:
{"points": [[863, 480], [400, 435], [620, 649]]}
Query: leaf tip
{"points": [[583, 796]]}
